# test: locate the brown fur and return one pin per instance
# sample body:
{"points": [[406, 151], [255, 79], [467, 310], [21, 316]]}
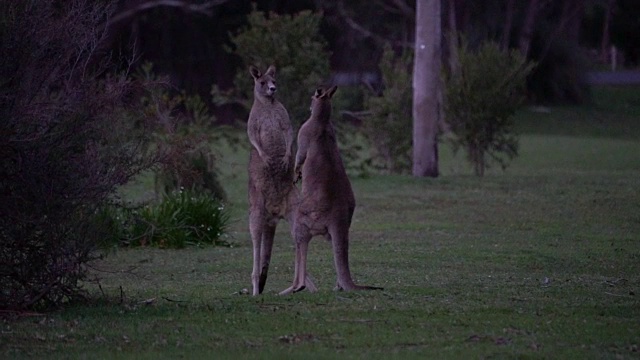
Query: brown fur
{"points": [[327, 202], [272, 193]]}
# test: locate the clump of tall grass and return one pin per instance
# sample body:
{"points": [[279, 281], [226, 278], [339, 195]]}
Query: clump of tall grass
{"points": [[180, 219]]}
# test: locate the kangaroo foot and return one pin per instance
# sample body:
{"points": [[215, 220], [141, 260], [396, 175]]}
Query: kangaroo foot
{"points": [[291, 289], [308, 283], [356, 288], [262, 282]]}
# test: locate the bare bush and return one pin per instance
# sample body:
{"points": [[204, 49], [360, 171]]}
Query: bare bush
{"points": [[70, 136]]}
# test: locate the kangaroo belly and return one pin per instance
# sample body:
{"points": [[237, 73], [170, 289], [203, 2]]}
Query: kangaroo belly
{"points": [[274, 136], [270, 187]]}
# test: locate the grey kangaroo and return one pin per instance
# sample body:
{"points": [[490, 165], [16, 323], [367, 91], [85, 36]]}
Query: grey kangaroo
{"points": [[272, 194], [327, 202]]}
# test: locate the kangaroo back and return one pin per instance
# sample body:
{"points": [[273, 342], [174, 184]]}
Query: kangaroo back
{"points": [[327, 202]]}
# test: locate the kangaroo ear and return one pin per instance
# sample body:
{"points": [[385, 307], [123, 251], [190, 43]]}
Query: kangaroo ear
{"points": [[319, 92], [271, 71], [332, 90], [255, 73]]}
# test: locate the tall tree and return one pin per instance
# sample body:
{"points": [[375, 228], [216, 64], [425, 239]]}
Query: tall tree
{"points": [[605, 44], [524, 43], [426, 88]]}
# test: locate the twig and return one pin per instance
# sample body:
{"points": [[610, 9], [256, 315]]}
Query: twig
{"points": [[615, 282], [356, 114], [359, 320], [121, 295], [175, 301]]}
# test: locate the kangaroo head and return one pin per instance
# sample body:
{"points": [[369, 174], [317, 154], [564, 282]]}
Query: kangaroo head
{"points": [[264, 85], [321, 101]]}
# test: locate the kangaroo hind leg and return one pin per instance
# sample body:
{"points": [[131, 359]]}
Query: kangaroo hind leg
{"points": [[340, 243], [265, 254], [302, 237], [256, 228]]}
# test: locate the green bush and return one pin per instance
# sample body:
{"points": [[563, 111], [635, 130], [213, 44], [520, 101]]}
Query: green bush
{"points": [[388, 128], [189, 141], [294, 45], [480, 101], [182, 218]]}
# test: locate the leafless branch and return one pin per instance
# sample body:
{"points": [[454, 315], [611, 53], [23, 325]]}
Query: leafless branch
{"points": [[204, 8], [364, 31], [568, 13], [404, 8]]}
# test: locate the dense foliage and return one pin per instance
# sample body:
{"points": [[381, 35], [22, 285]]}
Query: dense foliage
{"points": [[294, 45], [70, 136], [481, 99]]}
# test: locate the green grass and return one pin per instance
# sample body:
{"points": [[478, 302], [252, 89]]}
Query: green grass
{"points": [[540, 261]]}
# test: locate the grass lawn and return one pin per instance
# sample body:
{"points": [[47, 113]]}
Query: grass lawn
{"points": [[540, 261]]}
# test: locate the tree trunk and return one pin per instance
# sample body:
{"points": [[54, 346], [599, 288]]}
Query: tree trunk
{"points": [[452, 36], [606, 40], [508, 23], [574, 22], [426, 84], [527, 28]]}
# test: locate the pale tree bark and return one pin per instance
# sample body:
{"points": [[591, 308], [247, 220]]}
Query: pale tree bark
{"points": [[426, 85]]}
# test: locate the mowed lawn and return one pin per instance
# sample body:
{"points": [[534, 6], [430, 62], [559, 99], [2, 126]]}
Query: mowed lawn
{"points": [[540, 261]]}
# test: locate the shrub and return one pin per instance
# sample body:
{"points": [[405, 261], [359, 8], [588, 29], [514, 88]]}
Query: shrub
{"points": [[189, 140], [480, 101], [388, 126], [70, 136], [182, 218], [294, 45]]}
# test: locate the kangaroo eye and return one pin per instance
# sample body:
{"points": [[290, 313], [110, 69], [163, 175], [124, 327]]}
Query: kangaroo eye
{"points": [[262, 83]]}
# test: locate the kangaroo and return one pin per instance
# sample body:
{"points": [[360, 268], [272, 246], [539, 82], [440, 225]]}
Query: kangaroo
{"points": [[272, 193], [327, 202]]}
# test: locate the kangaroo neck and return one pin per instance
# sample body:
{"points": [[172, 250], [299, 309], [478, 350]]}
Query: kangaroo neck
{"points": [[324, 117], [266, 100]]}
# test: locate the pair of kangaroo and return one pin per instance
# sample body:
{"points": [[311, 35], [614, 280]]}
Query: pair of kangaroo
{"points": [[326, 203]]}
